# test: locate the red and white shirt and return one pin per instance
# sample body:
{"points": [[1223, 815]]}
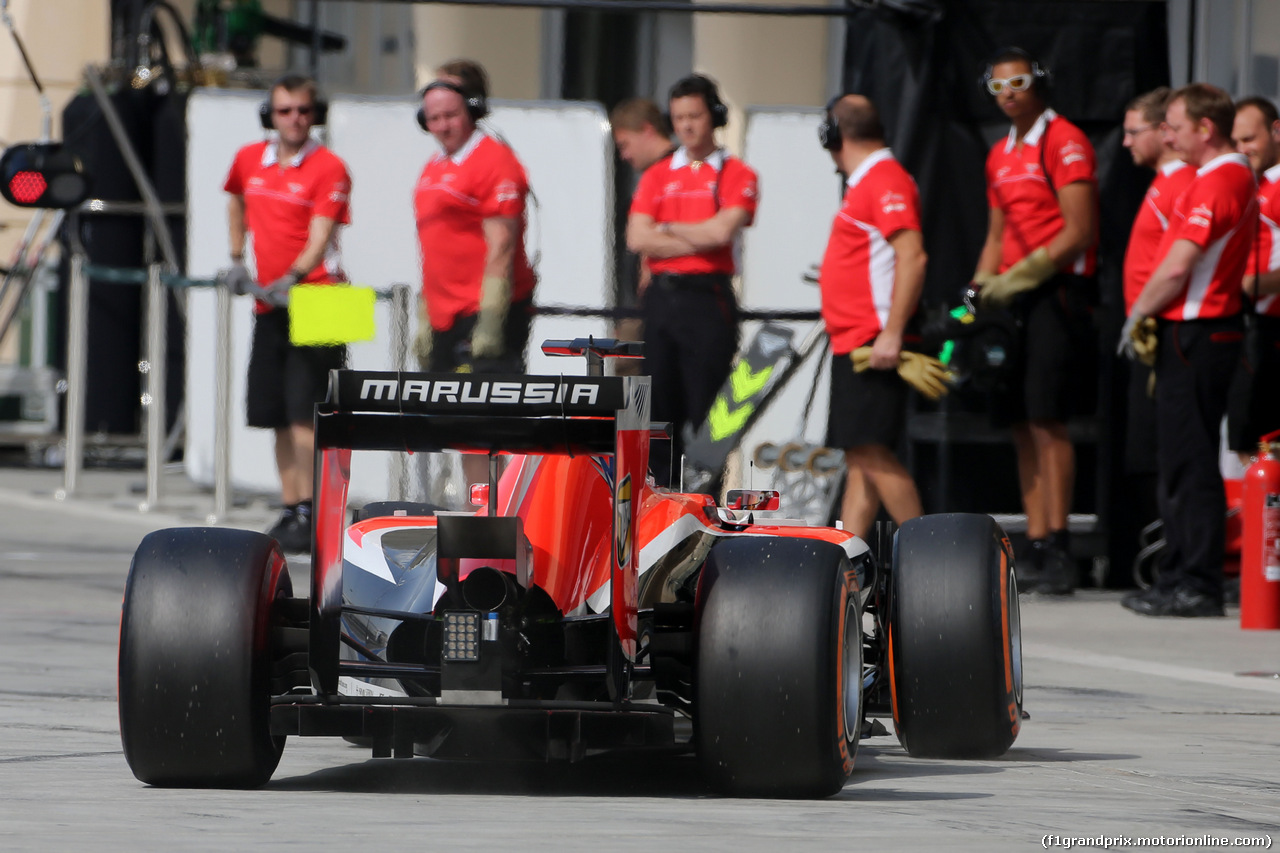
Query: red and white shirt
{"points": [[1265, 255], [454, 196], [1018, 186], [1218, 213], [1141, 257], [680, 189], [281, 199], [859, 266]]}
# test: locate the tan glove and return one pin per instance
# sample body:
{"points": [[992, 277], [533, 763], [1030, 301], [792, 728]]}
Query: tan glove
{"points": [[422, 341], [925, 374], [1025, 275], [1145, 341], [487, 339], [922, 372]]}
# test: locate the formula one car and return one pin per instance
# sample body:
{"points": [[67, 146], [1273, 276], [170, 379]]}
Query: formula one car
{"points": [[578, 609]]}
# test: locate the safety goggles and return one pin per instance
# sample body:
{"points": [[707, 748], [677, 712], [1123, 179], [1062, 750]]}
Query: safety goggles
{"points": [[1016, 83]]}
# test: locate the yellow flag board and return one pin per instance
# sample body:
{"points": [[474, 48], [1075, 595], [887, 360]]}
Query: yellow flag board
{"points": [[329, 314]]}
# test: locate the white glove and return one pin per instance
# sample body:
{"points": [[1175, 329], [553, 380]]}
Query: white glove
{"points": [[277, 293], [237, 279]]}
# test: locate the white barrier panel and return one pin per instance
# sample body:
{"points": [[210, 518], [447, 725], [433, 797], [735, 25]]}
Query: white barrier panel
{"points": [[800, 194], [567, 152]]}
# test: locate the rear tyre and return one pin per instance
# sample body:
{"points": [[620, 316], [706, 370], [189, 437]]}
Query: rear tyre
{"points": [[778, 670], [955, 646], [195, 658]]}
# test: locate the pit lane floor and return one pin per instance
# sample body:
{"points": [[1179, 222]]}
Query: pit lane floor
{"points": [[1139, 727]]}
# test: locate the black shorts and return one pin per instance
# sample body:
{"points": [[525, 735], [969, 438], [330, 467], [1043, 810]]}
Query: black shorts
{"points": [[1055, 353], [285, 381], [1253, 405], [866, 408], [450, 349]]}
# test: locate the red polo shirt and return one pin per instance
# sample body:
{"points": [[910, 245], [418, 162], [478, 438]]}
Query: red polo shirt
{"points": [[1017, 185], [1265, 256], [859, 266], [678, 189], [455, 194], [280, 200], [1218, 213], [1141, 258]]}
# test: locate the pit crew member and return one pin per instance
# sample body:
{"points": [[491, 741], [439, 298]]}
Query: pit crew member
{"points": [[1038, 260], [868, 295], [469, 205], [1195, 294], [686, 215], [1145, 141], [642, 136], [1253, 407], [292, 195]]}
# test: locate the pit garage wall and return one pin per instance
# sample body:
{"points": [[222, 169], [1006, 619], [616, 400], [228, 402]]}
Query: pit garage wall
{"points": [[565, 148]]}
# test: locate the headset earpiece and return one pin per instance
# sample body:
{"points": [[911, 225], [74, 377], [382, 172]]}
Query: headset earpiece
{"points": [[829, 135], [477, 106], [319, 106]]}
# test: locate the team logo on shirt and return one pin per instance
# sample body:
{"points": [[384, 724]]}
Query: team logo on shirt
{"points": [[296, 188], [1002, 172], [1072, 152], [892, 202], [1200, 216]]}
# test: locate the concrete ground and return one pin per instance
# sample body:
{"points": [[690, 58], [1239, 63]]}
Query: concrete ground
{"points": [[1139, 728]]}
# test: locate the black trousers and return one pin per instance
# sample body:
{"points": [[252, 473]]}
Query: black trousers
{"points": [[690, 338], [1193, 374]]}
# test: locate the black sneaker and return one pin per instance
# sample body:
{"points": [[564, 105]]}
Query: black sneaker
{"points": [[1186, 602], [1028, 564], [283, 524], [1058, 575], [296, 539], [1149, 602]]}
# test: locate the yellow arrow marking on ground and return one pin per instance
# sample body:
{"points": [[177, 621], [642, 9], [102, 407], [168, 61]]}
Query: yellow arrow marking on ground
{"points": [[724, 422], [745, 383]]}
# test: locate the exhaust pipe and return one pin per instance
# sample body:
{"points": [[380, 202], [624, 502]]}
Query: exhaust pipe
{"points": [[486, 589]]}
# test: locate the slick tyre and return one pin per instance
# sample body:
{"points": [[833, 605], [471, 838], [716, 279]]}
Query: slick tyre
{"points": [[955, 647], [778, 670], [195, 658]]}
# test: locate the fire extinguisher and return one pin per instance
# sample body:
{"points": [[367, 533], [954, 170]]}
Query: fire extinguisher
{"points": [[1260, 547]]}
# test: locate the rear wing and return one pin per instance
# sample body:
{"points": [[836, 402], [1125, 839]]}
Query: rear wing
{"points": [[423, 412]]}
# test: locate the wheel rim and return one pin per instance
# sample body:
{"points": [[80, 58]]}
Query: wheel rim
{"points": [[1015, 639], [852, 675]]}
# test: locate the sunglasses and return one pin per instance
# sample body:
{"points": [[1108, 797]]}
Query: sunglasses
{"points": [[284, 111], [1016, 83]]}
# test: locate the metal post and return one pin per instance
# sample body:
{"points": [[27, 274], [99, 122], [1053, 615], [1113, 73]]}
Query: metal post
{"points": [[401, 295], [222, 425], [77, 368], [154, 398]]}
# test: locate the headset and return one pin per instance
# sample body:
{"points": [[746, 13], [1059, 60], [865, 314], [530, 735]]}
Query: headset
{"points": [[705, 87], [320, 105], [1042, 77], [477, 106], [829, 135]]}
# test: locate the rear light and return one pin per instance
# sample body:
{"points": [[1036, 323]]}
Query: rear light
{"points": [[462, 635]]}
